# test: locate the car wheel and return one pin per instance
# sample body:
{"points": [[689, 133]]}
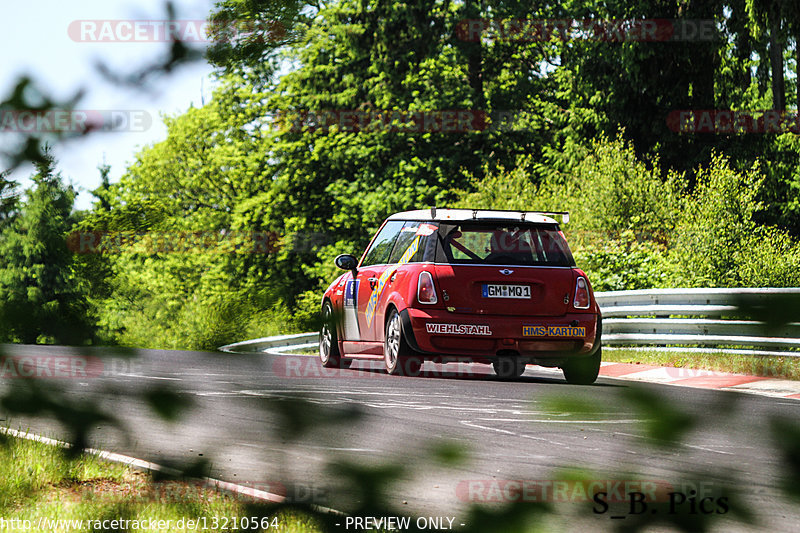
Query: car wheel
{"points": [[329, 354], [583, 371], [508, 367], [397, 354]]}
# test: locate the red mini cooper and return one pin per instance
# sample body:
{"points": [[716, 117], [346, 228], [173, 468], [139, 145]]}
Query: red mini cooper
{"points": [[448, 285]]}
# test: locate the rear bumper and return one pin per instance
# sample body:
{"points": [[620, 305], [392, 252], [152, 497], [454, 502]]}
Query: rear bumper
{"points": [[443, 336]]}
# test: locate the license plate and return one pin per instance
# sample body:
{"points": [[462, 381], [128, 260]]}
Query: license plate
{"points": [[496, 290]]}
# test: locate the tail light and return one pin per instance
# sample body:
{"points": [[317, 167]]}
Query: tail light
{"points": [[582, 299], [426, 292]]}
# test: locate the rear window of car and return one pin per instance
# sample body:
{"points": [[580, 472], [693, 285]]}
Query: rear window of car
{"points": [[503, 243]]}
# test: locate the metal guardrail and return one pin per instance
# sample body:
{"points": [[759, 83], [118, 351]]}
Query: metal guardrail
{"points": [[272, 344], [648, 318], [703, 320]]}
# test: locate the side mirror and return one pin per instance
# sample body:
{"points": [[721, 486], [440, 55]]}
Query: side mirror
{"points": [[346, 262]]}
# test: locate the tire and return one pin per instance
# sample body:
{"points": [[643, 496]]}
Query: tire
{"points": [[329, 354], [583, 371], [508, 367], [398, 356]]}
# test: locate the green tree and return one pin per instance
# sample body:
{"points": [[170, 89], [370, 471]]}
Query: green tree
{"points": [[187, 269], [717, 241], [247, 36], [264, 156], [386, 61], [40, 299], [779, 22], [9, 200]]}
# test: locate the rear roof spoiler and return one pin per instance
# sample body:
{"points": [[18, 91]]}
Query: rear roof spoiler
{"points": [[563, 215]]}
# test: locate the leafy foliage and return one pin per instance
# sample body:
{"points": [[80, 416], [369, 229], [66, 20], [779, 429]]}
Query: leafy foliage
{"points": [[40, 297], [631, 229], [651, 207]]}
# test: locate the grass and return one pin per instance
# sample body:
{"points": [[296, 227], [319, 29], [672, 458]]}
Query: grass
{"points": [[39, 482], [770, 366]]}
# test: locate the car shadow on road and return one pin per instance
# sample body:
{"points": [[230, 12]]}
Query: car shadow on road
{"points": [[462, 371]]}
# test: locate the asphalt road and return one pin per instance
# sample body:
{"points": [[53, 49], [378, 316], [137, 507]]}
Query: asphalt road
{"points": [[245, 420]]}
